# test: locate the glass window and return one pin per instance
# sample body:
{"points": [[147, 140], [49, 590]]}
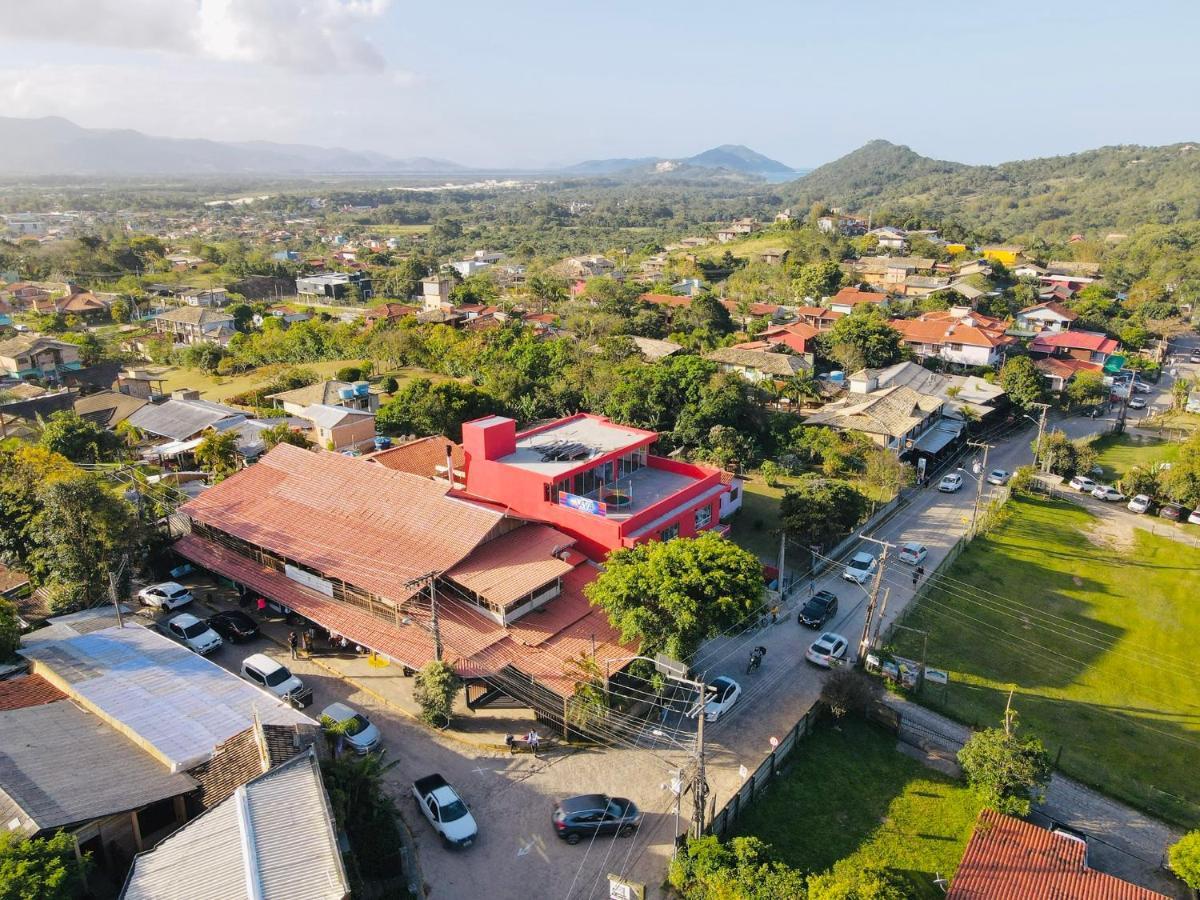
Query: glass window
{"points": [[669, 533], [703, 517]]}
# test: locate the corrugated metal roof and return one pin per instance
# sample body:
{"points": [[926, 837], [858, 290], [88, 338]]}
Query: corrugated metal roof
{"points": [[1008, 858], [175, 703], [60, 765], [180, 419], [276, 834]]}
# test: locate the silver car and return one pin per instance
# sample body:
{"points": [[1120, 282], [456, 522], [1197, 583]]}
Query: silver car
{"points": [[359, 733]]}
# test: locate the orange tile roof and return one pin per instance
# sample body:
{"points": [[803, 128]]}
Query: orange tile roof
{"points": [[513, 565], [28, 690], [667, 299], [853, 296], [944, 329], [818, 312], [1053, 306], [420, 457], [1009, 858], [1065, 366], [345, 517]]}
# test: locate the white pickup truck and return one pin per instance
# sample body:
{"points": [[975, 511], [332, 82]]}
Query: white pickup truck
{"points": [[446, 811]]}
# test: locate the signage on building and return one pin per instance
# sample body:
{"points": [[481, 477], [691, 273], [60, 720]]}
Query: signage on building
{"points": [[309, 580], [582, 504], [937, 676]]}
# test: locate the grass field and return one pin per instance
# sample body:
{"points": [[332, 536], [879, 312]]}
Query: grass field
{"points": [[1118, 453], [217, 388], [851, 795], [397, 230], [1092, 624], [746, 248]]}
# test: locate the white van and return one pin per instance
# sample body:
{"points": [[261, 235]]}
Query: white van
{"points": [[265, 672]]}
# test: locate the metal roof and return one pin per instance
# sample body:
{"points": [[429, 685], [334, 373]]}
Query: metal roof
{"points": [[181, 419], [60, 765], [175, 703], [274, 838]]}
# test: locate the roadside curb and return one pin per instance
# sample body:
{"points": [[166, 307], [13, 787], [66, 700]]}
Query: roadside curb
{"points": [[479, 745]]}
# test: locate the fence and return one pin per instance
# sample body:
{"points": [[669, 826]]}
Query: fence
{"points": [[727, 816]]}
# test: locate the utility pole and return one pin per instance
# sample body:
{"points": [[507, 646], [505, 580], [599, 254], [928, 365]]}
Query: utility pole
{"points": [[700, 786], [782, 555], [879, 622], [1037, 453], [112, 591], [437, 632], [979, 477], [866, 632]]}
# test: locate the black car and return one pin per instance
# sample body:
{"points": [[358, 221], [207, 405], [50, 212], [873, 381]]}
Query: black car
{"points": [[589, 815], [1173, 511], [818, 610], [233, 625]]}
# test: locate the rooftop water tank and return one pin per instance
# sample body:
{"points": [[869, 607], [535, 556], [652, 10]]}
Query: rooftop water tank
{"points": [[362, 388], [382, 443], [346, 393], [837, 376]]}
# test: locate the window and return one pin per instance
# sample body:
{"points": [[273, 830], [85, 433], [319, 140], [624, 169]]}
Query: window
{"points": [[703, 517], [957, 348], [669, 533]]}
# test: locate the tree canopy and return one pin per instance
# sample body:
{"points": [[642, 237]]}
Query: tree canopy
{"points": [[1022, 381], [821, 511], [1005, 770], [39, 868], [79, 439], [672, 595], [863, 338]]}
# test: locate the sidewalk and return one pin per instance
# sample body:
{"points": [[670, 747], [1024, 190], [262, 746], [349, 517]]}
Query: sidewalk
{"points": [[1122, 841], [378, 677]]}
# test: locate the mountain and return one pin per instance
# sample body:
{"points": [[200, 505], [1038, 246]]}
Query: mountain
{"points": [[734, 158], [56, 146], [1095, 191]]}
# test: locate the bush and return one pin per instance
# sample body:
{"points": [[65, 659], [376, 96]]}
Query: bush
{"points": [[437, 686], [848, 691], [389, 385], [64, 596], [1185, 859], [349, 373], [853, 883], [1004, 770], [10, 629]]}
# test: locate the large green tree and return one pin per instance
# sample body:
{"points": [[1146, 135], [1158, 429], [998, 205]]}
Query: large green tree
{"points": [[79, 439], [1184, 856], [25, 471], [425, 408], [863, 338], [39, 868], [10, 629], [817, 280], [1005, 770], [672, 595], [1022, 381], [821, 511], [1182, 481], [1086, 388]]}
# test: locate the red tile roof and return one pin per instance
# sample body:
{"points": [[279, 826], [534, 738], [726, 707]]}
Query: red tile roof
{"points": [[513, 565], [345, 517], [849, 296], [667, 299], [797, 336], [420, 457], [1008, 858], [1074, 340], [1054, 307], [28, 690], [818, 312], [943, 328], [1065, 366]]}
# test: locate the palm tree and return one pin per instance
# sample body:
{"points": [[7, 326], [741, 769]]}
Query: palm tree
{"points": [[218, 453]]}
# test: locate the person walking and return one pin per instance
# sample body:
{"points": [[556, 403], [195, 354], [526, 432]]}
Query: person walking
{"points": [[262, 607], [915, 577], [292, 642], [920, 571]]}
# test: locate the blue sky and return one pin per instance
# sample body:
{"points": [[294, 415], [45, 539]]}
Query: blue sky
{"points": [[530, 83]]}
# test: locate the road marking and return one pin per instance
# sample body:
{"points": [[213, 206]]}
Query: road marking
{"points": [[481, 770], [524, 851]]}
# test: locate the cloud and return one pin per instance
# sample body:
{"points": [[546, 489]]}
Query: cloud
{"points": [[318, 36]]}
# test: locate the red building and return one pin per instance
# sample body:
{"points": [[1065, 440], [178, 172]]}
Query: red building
{"points": [[592, 479]]}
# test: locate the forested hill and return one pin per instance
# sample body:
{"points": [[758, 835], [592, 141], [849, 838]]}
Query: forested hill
{"points": [[1112, 188]]}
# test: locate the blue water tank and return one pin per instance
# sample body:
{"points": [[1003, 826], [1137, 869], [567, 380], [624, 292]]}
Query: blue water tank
{"points": [[837, 376], [382, 443], [346, 393], [362, 388]]}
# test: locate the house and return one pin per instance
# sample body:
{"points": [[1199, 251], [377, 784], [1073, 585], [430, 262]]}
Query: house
{"points": [[847, 298], [896, 418], [1048, 316], [774, 256], [108, 408], [688, 287], [335, 286], [757, 365], [435, 292], [64, 766], [339, 427], [818, 317], [1007, 857], [784, 217], [670, 300], [196, 325], [745, 314], [182, 422], [84, 305], [966, 290], [923, 285], [1060, 371], [478, 262], [738, 228], [1028, 270], [889, 271], [352, 395], [214, 297], [890, 238], [585, 267], [1005, 254], [360, 550], [275, 838], [797, 337], [985, 401], [37, 356], [1089, 346], [958, 335], [974, 267], [429, 457]]}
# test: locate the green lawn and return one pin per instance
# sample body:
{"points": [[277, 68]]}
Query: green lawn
{"points": [[1118, 453], [1093, 628], [746, 248], [217, 388], [849, 794]]}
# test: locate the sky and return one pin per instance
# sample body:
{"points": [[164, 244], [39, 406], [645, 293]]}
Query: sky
{"points": [[530, 84]]}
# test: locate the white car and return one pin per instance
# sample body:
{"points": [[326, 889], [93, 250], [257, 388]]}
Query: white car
{"points": [[1194, 517], [195, 634], [446, 811], [1082, 483], [360, 734], [861, 567], [720, 695], [1139, 504], [998, 476], [1140, 387], [1137, 403], [913, 553], [826, 649], [168, 595], [274, 676], [950, 483], [1107, 492]]}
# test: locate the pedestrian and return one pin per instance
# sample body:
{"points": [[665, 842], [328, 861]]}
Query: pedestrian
{"points": [[915, 577], [262, 607], [508, 742], [532, 740], [292, 642], [774, 613], [920, 571]]}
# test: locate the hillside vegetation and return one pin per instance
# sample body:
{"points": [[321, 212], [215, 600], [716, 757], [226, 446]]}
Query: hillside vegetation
{"points": [[1112, 188]]}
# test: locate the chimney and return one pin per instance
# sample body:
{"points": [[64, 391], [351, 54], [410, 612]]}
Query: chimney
{"points": [[450, 465]]}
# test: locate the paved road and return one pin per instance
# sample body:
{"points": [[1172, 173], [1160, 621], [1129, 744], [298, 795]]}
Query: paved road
{"points": [[512, 797]]}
